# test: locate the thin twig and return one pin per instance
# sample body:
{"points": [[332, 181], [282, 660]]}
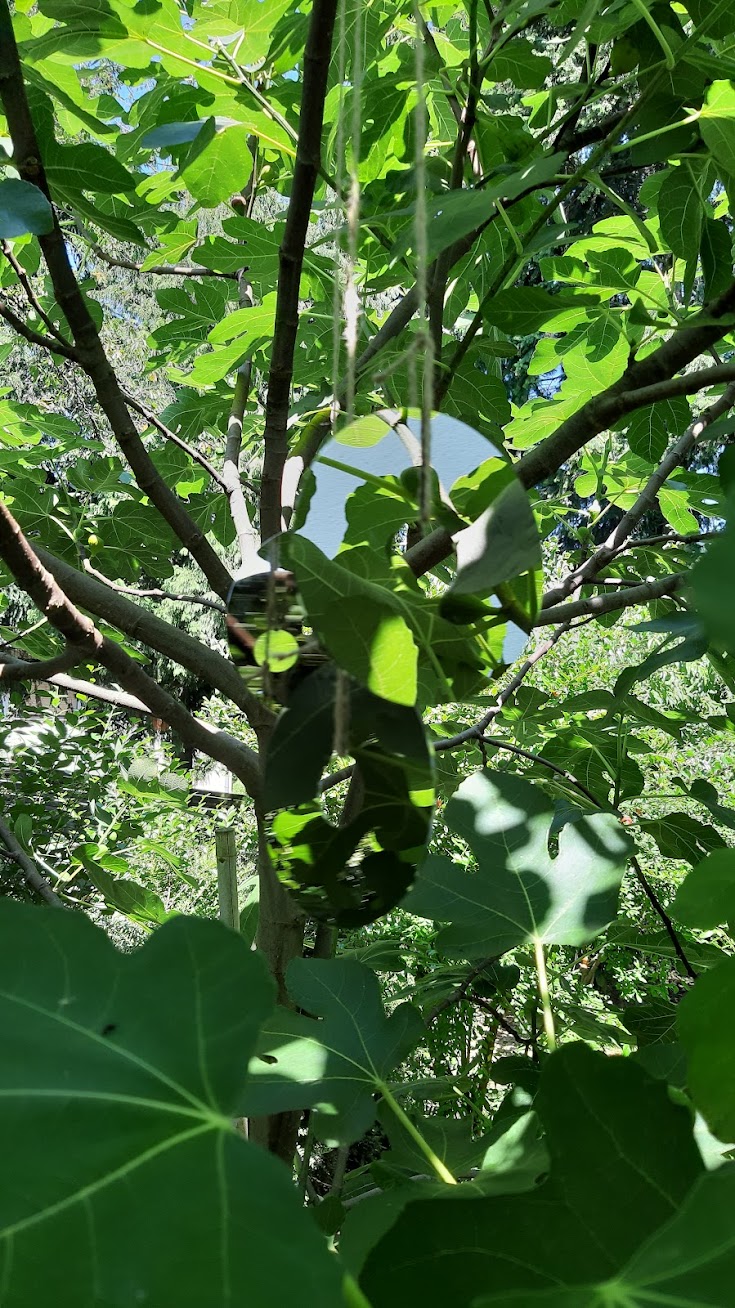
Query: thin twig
{"points": [[461, 990], [162, 270], [477, 731], [36, 338], [619, 537], [31, 296], [171, 436], [661, 911], [154, 594]]}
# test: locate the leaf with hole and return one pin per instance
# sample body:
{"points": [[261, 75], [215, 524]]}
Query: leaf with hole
{"points": [[155, 1040], [336, 1060]]}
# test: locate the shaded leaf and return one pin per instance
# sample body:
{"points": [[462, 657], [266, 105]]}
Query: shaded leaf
{"points": [[602, 1116], [23, 209], [519, 892], [154, 1039], [335, 1064]]}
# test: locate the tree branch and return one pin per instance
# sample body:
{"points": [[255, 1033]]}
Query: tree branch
{"points": [[477, 731], [139, 624], [291, 255], [28, 868], [601, 412], [155, 593], [30, 294], [171, 436], [610, 603], [50, 343], [644, 382], [619, 537], [79, 630], [13, 669], [162, 269], [88, 347]]}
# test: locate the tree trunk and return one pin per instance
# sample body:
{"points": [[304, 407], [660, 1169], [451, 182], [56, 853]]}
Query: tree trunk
{"points": [[280, 938]]}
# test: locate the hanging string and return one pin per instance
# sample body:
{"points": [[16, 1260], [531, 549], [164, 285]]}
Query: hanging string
{"points": [[339, 207], [352, 299], [426, 348], [347, 304]]}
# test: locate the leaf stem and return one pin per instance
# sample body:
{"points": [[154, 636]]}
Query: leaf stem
{"points": [[353, 1295], [543, 989], [442, 1172], [665, 47]]}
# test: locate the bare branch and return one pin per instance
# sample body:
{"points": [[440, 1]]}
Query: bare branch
{"points": [[619, 537], [162, 269], [14, 669], [155, 593], [171, 436], [28, 868], [622, 599], [306, 170], [79, 630], [139, 624]]}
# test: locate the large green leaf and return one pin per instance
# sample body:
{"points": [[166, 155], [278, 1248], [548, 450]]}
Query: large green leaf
{"points": [[712, 586], [688, 1263], [218, 164], [335, 1064], [603, 1116], [681, 210], [706, 898], [120, 1076], [23, 209], [519, 892], [501, 545], [456, 213], [706, 1034], [362, 624], [717, 124], [654, 427], [355, 871], [522, 310]]}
